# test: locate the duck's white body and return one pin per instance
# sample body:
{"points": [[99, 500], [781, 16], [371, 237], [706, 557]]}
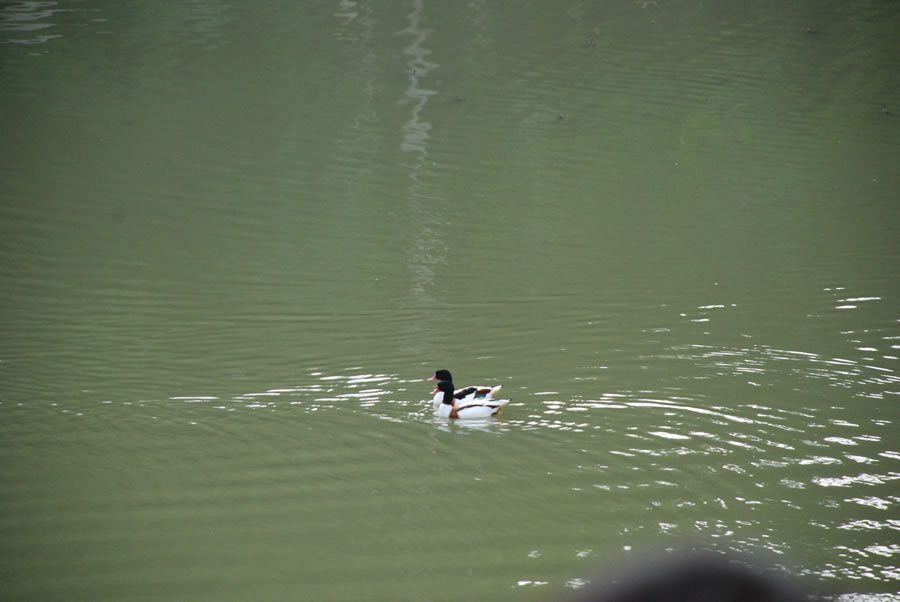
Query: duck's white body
{"points": [[473, 397], [447, 406], [473, 409]]}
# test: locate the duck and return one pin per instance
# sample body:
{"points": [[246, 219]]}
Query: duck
{"points": [[447, 406], [466, 393]]}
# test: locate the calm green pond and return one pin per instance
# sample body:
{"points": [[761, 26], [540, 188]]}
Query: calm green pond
{"points": [[237, 238]]}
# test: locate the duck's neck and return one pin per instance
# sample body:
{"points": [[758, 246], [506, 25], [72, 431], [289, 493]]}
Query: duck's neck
{"points": [[448, 398]]}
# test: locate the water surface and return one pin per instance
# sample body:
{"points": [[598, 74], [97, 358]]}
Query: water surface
{"points": [[234, 241]]}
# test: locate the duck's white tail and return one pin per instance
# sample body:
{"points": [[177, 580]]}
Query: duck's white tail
{"points": [[502, 403]]}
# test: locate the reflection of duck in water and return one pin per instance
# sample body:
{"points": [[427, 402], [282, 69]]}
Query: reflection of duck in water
{"points": [[467, 393], [447, 406]]}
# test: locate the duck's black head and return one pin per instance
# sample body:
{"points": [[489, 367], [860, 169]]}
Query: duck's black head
{"points": [[442, 375], [446, 387]]}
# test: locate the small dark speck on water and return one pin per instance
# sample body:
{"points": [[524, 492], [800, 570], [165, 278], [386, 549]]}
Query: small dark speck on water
{"points": [[561, 116], [590, 42], [884, 110], [459, 99], [812, 30]]}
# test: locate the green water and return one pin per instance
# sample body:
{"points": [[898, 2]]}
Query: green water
{"points": [[235, 241]]}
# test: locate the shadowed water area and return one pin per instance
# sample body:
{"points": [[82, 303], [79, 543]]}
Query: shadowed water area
{"points": [[236, 238]]}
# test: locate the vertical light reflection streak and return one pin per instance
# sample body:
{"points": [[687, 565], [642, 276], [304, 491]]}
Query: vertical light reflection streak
{"points": [[428, 249], [415, 130]]}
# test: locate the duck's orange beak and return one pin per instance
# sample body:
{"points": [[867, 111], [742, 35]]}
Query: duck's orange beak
{"points": [[436, 390]]}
